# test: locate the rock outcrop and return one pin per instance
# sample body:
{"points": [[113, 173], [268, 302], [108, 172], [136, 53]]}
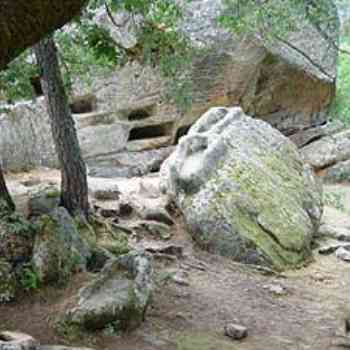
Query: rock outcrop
{"points": [[120, 295], [244, 190], [289, 86], [330, 156]]}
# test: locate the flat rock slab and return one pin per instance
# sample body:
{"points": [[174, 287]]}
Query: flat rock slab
{"points": [[331, 248], [17, 341]]}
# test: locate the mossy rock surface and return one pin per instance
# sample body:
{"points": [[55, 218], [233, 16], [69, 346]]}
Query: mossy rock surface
{"points": [[244, 190], [59, 248], [119, 294], [7, 282]]}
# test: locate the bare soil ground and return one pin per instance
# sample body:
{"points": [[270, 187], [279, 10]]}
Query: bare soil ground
{"points": [[190, 314]]}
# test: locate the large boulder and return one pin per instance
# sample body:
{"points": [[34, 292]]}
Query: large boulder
{"points": [[120, 295], [59, 249], [244, 190]]}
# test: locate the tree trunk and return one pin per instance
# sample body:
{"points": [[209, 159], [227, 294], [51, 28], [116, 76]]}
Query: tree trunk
{"points": [[4, 193], [24, 22], [74, 188]]}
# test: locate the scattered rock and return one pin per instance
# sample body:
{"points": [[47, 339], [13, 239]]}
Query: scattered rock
{"points": [[110, 194], [236, 331], [337, 173], [153, 228], [328, 150], [31, 182], [119, 294], [44, 202], [180, 278], [244, 190], [162, 248], [336, 232], [276, 289], [157, 214], [305, 137], [59, 248], [17, 341], [343, 253], [331, 248]]}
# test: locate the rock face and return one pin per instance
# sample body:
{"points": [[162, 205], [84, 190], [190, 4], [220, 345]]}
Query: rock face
{"points": [[244, 190], [59, 248], [289, 86], [120, 294], [330, 156]]}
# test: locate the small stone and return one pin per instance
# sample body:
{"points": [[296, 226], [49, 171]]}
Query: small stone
{"points": [[236, 331], [276, 289], [107, 195], [17, 341], [343, 254], [331, 248], [157, 214], [181, 281], [163, 248]]}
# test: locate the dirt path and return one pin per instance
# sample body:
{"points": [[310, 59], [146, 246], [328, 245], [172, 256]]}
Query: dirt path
{"points": [[190, 313]]}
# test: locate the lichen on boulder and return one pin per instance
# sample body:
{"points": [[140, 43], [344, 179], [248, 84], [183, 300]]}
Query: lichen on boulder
{"points": [[244, 190], [59, 249]]}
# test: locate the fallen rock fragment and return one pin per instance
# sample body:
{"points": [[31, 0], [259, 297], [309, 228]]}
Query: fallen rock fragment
{"points": [[331, 248], [163, 248], [343, 253], [236, 331], [276, 289], [157, 214], [17, 341], [332, 231], [119, 294]]}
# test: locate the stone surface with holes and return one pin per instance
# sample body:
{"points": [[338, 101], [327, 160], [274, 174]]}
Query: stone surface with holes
{"points": [[289, 86], [244, 190]]}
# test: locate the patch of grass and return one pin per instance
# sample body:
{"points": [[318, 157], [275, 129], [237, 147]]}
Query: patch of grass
{"points": [[30, 279]]}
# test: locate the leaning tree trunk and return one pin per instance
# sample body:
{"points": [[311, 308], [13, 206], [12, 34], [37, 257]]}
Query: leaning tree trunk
{"points": [[4, 193], [74, 189]]}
